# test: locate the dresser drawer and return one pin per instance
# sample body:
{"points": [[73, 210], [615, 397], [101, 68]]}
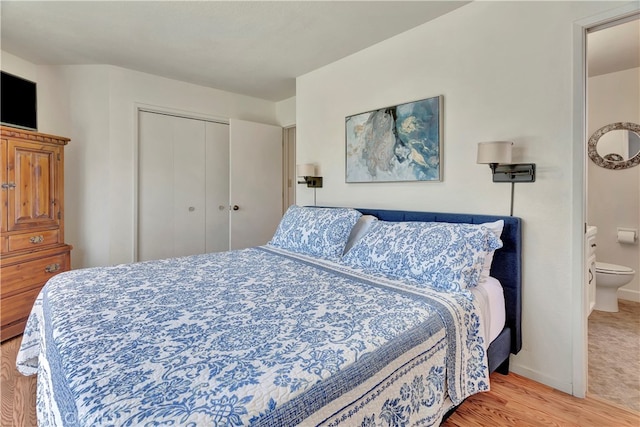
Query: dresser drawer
{"points": [[18, 277], [17, 307], [33, 240]]}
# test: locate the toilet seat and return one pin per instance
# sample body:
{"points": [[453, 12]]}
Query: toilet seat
{"points": [[606, 268]]}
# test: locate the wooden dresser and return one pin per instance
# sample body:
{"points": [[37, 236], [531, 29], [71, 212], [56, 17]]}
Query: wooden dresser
{"points": [[32, 247]]}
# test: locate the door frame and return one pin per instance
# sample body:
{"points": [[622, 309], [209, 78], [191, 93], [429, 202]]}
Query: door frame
{"points": [[288, 167], [579, 190], [141, 107]]}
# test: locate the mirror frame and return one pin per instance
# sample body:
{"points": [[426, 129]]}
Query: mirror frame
{"points": [[608, 164]]}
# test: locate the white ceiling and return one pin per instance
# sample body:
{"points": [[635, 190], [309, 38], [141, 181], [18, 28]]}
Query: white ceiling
{"points": [[256, 48], [614, 49]]}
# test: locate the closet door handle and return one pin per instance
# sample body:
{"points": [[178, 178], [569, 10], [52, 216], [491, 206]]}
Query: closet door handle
{"points": [[236, 207]]}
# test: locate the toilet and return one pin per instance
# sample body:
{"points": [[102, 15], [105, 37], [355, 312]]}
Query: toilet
{"points": [[609, 277]]}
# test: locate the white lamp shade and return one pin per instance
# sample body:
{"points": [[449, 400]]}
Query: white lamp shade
{"points": [[306, 170], [494, 152]]}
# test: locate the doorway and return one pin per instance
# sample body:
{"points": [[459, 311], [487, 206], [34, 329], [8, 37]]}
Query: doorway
{"points": [[612, 201], [289, 167]]}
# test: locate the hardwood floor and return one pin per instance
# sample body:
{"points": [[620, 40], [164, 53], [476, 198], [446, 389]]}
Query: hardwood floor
{"points": [[18, 393], [518, 401], [512, 401]]}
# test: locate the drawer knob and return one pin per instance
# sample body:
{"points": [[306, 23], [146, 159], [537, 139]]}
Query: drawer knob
{"points": [[52, 268], [36, 239]]}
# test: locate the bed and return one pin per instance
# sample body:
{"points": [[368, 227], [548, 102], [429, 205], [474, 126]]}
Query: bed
{"points": [[296, 332]]}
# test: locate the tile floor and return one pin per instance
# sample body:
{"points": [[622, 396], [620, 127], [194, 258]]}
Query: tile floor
{"points": [[614, 355]]}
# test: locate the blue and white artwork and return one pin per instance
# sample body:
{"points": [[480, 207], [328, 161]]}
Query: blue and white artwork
{"points": [[399, 143]]}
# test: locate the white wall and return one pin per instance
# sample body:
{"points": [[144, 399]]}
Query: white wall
{"points": [[286, 112], [95, 105], [88, 169], [614, 195], [18, 66], [505, 70]]}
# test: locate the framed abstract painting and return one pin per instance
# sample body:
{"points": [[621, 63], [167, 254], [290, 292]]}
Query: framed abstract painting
{"points": [[398, 143]]}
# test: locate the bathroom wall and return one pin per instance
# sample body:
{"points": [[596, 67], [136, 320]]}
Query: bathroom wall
{"points": [[614, 195]]}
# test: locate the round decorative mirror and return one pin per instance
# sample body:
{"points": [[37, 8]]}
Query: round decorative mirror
{"points": [[616, 146]]}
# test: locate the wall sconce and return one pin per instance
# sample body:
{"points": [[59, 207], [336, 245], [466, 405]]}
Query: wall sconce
{"points": [[308, 172], [497, 154]]}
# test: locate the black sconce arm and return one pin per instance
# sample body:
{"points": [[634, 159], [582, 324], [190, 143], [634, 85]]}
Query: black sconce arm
{"points": [[312, 181], [520, 172]]}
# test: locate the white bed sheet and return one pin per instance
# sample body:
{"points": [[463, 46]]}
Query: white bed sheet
{"points": [[490, 297]]}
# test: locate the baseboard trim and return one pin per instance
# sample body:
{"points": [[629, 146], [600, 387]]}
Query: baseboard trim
{"points": [[542, 378], [629, 294]]}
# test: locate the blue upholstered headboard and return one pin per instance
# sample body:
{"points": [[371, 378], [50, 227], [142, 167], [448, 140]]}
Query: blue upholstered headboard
{"points": [[507, 261]]}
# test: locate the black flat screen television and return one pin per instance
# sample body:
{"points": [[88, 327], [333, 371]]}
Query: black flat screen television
{"points": [[19, 102]]}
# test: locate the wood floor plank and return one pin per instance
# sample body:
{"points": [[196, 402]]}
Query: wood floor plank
{"points": [[6, 383], [518, 401], [512, 401], [18, 392], [24, 401]]}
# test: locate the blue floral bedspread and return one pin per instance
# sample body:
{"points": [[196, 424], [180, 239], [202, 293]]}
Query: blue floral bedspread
{"points": [[259, 336]]}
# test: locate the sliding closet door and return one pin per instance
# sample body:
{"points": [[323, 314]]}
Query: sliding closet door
{"points": [[217, 187], [189, 197], [183, 180]]}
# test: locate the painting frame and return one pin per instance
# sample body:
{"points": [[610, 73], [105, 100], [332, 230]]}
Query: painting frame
{"points": [[398, 143]]}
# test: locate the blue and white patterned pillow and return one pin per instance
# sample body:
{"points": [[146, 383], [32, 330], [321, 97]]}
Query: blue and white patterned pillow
{"points": [[444, 256], [321, 232]]}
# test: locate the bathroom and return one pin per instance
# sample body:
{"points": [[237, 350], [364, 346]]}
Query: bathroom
{"points": [[613, 207]]}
